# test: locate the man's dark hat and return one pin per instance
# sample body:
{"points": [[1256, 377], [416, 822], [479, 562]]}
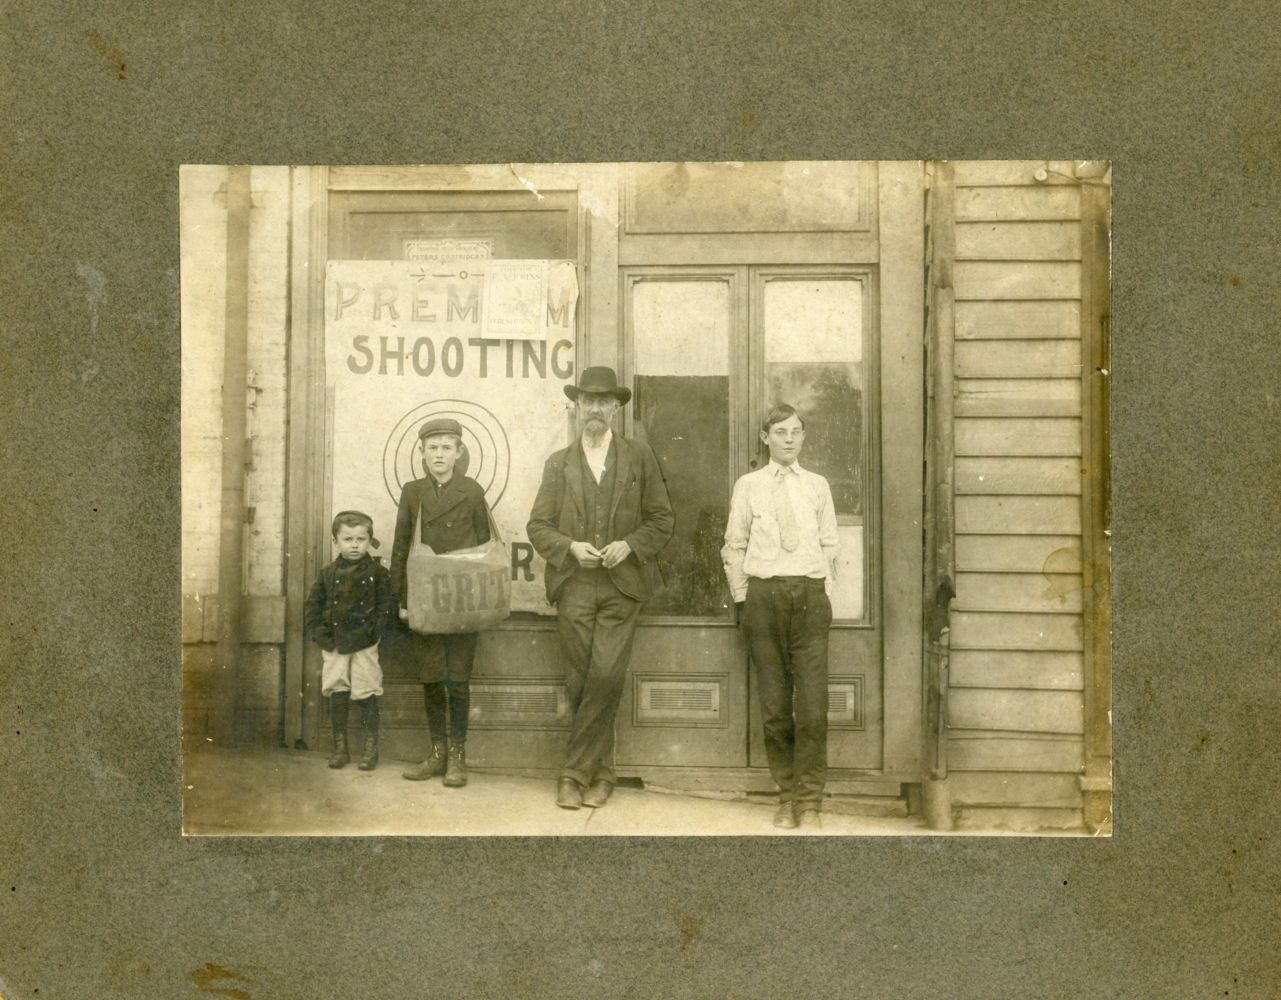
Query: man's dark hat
{"points": [[441, 425], [602, 380]]}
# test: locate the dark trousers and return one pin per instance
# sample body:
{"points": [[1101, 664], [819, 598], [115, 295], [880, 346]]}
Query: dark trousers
{"points": [[786, 621], [597, 623], [446, 672], [454, 695]]}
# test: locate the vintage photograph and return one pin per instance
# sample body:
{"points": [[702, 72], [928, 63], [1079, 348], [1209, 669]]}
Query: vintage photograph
{"points": [[644, 499]]}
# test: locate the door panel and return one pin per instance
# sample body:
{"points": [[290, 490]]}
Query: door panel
{"points": [[685, 703]]}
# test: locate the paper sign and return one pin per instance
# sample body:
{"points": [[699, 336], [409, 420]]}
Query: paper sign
{"points": [[405, 342]]}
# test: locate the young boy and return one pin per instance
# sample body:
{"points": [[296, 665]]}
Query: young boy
{"points": [[350, 605], [452, 514], [780, 558]]}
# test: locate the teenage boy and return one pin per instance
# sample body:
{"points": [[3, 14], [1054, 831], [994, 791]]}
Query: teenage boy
{"points": [[348, 609], [452, 514], [780, 559]]}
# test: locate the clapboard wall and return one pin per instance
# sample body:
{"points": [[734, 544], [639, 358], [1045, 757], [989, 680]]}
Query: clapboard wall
{"points": [[1016, 705]]}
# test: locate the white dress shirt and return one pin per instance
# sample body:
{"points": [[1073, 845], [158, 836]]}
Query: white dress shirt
{"points": [[753, 541]]}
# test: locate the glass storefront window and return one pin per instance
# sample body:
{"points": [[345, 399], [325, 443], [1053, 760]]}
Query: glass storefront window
{"points": [[680, 331], [814, 360]]}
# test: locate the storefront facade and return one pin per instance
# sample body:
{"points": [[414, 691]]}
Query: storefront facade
{"points": [[714, 290]]}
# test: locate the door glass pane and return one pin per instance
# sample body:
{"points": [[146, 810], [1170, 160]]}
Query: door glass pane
{"points": [[814, 361], [680, 337]]}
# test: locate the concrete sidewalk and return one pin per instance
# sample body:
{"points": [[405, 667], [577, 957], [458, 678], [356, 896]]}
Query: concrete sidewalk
{"points": [[294, 793], [259, 792]]}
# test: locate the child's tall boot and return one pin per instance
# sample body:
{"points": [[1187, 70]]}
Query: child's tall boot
{"points": [[369, 716], [338, 714], [459, 708]]}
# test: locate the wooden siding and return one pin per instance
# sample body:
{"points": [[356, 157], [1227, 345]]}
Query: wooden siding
{"points": [[1018, 397], [1007, 475], [1017, 203], [1060, 754], [1038, 670], [1015, 710], [1022, 359], [1016, 707], [1015, 515], [1019, 553], [984, 241], [1016, 320]]}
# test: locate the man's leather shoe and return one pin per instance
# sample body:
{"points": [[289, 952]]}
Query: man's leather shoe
{"points": [[807, 819], [598, 794], [786, 816], [568, 794]]}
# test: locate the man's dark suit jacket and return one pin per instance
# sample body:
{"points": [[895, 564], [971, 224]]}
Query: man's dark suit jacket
{"points": [[640, 514], [453, 517]]}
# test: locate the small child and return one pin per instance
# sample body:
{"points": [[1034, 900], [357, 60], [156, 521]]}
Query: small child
{"points": [[451, 514], [349, 608]]}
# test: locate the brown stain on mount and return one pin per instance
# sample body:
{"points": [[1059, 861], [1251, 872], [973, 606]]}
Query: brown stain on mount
{"points": [[108, 51], [689, 927], [208, 974]]}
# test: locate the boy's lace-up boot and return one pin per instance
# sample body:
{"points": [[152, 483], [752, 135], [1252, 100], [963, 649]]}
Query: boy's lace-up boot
{"points": [[338, 713], [432, 767], [456, 767], [369, 712]]}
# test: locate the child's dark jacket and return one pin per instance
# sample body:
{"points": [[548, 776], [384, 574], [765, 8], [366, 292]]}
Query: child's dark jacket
{"points": [[351, 605]]}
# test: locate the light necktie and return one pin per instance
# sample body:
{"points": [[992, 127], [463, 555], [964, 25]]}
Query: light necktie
{"points": [[787, 530]]}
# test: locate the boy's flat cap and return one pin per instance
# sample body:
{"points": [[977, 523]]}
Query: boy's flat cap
{"points": [[441, 425]]}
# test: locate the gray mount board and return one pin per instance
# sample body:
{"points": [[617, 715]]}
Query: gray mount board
{"points": [[101, 896]]}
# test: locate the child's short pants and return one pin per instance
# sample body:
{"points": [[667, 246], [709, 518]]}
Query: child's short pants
{"points": [[358, 672]]}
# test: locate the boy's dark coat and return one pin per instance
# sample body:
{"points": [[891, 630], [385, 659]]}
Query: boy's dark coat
{"points": [[351, 605], [453, 517]]}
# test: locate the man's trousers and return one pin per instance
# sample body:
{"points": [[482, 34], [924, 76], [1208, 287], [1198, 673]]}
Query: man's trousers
{"points": [[786, 621], [597, 623]]}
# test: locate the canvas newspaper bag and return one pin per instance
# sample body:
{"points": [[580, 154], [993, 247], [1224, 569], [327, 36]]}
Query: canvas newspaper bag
{"points": [[461, 591]]}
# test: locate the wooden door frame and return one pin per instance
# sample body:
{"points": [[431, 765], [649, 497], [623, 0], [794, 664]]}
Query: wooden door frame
{"points": [[306, 531], [901, 219]]}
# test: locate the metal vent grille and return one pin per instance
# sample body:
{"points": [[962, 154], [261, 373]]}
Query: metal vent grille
{"points": [[666, 698], [538, 701], [507, 705], [671, 701], [845, 704]]}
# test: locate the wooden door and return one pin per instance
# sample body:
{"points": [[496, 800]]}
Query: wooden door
{"points": [[711, 348], [518, 715]]}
